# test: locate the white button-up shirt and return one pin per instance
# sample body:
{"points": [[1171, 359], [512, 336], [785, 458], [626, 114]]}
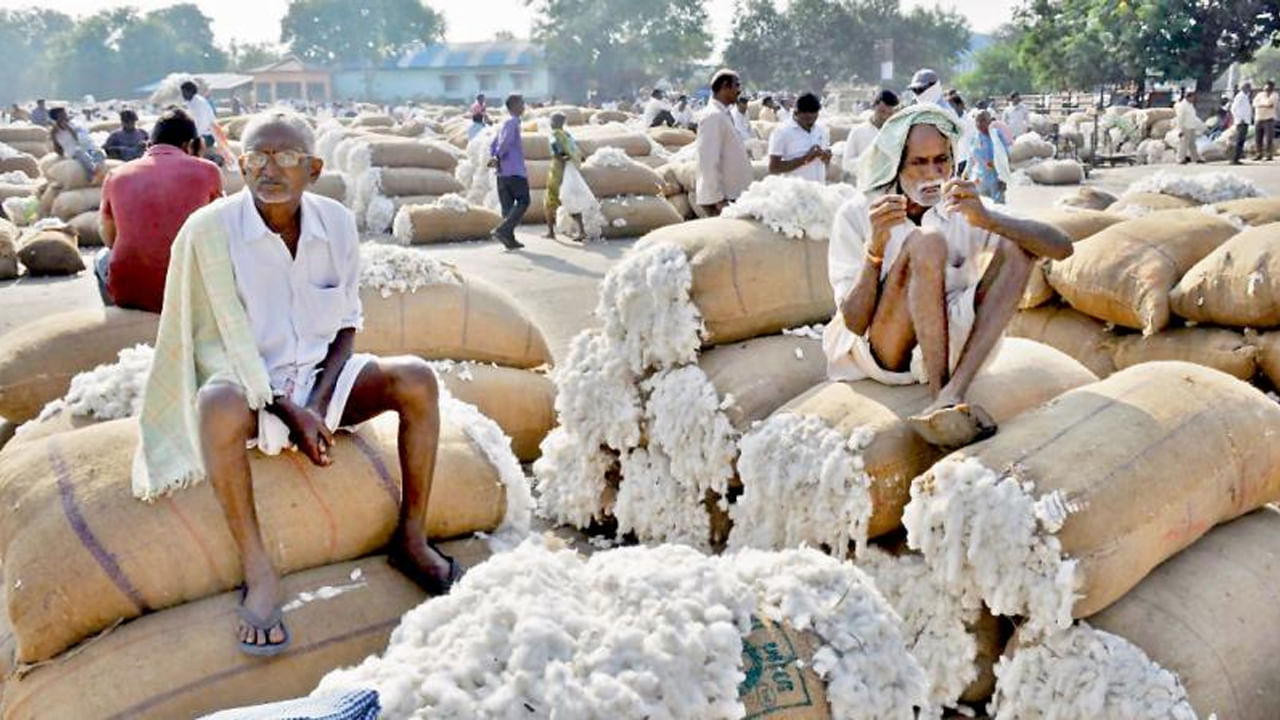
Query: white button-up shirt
{"points": [[1242, 109], [296, 305], [202, 114], [791, 142]]}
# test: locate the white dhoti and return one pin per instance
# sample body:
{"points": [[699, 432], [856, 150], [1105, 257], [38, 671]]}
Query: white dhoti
{"points": [[273, 434]]}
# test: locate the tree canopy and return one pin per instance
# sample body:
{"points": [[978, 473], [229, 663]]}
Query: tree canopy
{"points": [[360, 33]]}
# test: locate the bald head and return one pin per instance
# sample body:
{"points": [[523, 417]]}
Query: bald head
{"points": [[283, 127]]}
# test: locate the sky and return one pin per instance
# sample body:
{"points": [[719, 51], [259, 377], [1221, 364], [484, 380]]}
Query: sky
{"points": [[468, 20]]}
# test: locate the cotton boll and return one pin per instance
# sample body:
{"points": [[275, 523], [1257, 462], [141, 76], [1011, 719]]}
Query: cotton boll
{"points": [[572, 479], [596, 396], [803, 483], [987, 534], [1205, 188], [389, 269], [791, 206], [379, 214], [935, 622], [610, 157], [646, 311], [109, 391], [1086, 673], [453, 202]]}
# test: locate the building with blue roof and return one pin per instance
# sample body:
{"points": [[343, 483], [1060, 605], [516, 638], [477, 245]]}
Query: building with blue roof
{"points": [[451, 72]]}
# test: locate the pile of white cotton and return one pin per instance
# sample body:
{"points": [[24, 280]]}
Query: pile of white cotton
{"points": [[611, 157], [453, 202], [1205, 188], [1086, 673], [634, 633], [107, 392], [389, 269], [791, 206]]}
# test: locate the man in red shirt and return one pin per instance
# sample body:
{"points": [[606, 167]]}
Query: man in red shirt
{"points": [[144, 203]]}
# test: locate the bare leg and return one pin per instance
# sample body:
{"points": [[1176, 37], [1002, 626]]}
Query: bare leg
{"points": [[927, 299], [995, 302], [226, 424], [406, 386], [894, 329]]}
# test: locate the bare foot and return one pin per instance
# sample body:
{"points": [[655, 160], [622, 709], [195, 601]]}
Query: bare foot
{"points": [[261, 600], [431, 569], [550, 235], [949, 425]]}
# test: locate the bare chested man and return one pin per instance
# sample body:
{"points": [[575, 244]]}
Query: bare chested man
{"points": [[917, 299], [295, 260]]}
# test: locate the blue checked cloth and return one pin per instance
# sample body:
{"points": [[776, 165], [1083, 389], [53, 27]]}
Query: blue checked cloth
{"points": [[350, 705]]}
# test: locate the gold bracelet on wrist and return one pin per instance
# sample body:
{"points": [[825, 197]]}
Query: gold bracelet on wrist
{"points": [[874, 259]]}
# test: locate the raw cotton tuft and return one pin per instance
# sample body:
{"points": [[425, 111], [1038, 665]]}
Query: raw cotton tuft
{"points": [[596, 393], [571, 479], [453, 202], [803, 483], [1206, 188], [1086, 673], [633, 633], [107, 392], [611, 157], [645, 307], [986, 533], [791, 206], [389, 269]]}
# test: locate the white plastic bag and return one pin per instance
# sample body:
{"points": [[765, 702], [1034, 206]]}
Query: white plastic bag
{"points": [[575, 196]]}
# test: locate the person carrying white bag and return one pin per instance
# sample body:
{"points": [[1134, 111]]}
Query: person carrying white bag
{"points": [[566, 187]]}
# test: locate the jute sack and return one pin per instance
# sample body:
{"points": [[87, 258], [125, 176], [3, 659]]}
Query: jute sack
{"points": [[22, 163], [601, 117], [428, 224], [71, 175], [683, 208], [1029, 147], [636, 215], [38, 360], [8, 190], [634, 144], [1078, 225], [1268, 345], [537, 212], [537, 173], [415, 181], [634, 179], [1088, 198], [1254, 211], [183, 663], [332, 185], [1143, 463], [522, 402], [672, 137], [50, 252], [118, 557], [670, 180], [70, 203], [8, 250], [1076, 334], [401, 152], [536, 147], [1209, 615], [573, 115], [749, 281], [88, 228], [1218, 348], [374, 120], [470, 320], [1133, 202], [1021, 376], [34, 149], [1237, 285], [23, 133], [1057, 172], [687, 175], [780, 681], [1124, 273]]}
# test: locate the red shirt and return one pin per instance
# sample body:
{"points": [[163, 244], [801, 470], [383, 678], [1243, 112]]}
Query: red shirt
{"points": [[149, 199]]}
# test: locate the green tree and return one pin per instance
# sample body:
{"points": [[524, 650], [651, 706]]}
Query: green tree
{"points": [[997, 69], [1079, 44], [252, 55], [1200, 38], [760, 36], [366, 32], [178, 38], [1265, 65], [617, 46], [932, 38], [87, 57], [26, 63]]}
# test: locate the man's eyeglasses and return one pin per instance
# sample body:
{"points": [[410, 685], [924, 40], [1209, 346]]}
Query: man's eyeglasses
{"points": [[285, 159]]}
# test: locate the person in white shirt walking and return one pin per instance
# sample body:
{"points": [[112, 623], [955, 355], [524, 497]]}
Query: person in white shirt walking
{"points": [[1242, 118], [1264, 117], [201, 111], [724, 168], [1189, 127], [801, 147], [862, 136], [1017, 116]]}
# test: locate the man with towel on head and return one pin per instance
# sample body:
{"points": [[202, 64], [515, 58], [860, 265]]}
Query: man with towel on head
{"points": [[918, 300], [261, 307]]}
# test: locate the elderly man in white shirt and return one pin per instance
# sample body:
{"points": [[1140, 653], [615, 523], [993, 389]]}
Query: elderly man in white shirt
{"points": [[801, 147], [724, 168], [862, 136], [296, 262], [926, 274], [1242, 118]]}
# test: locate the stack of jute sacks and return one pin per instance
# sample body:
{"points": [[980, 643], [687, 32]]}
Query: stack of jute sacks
{"points": [[1187, 283], [25, 144], [630, 194], [389, 173], [1064, 515], [71, 196], [680, 184], [590, 138]]}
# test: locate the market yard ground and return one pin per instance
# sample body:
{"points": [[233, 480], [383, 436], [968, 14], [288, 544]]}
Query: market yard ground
{"points": [[557, 281]]}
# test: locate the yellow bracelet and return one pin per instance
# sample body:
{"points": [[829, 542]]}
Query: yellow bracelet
{"points": [[874, 259]]}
